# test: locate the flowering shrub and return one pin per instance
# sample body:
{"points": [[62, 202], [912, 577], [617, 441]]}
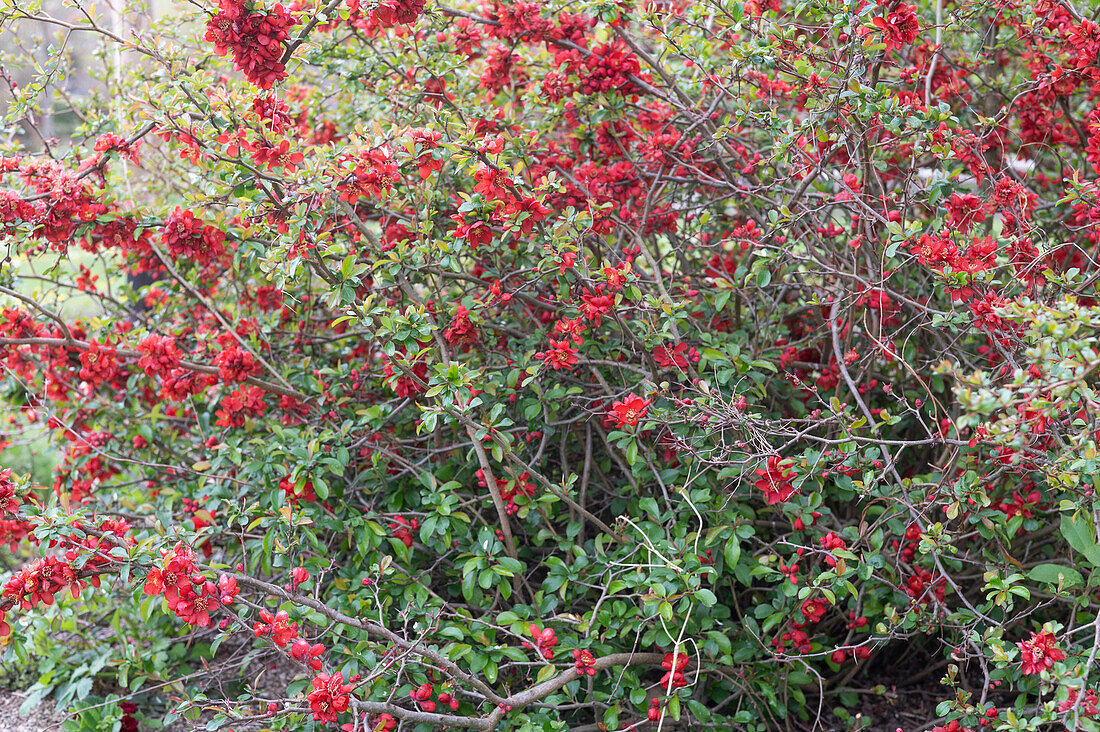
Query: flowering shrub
{"points": [[577, 366]]}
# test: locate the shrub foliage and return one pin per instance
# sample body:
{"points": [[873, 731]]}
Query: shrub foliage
{"points": [[558, 366]]}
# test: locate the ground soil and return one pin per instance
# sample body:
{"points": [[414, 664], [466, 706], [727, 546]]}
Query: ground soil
{"points": [[40, 718]]}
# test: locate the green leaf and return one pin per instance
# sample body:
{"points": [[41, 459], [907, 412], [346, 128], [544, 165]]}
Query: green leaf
{"points": [[1056, 574], [1081, 536], [706, 597], [732, 552]]}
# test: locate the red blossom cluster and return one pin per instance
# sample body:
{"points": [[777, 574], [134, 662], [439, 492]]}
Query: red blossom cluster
{"points": [[278, 626], [403, 529], [235, 364], [371, 14], [584, 662], [257, 40], [246, 401], [899, 25], [674, 665], [924, 587], [159, 355], [99, 363], [38, 582], [9, 501], [519, 486], [187, 592], [1088, 706], [188, 236]]}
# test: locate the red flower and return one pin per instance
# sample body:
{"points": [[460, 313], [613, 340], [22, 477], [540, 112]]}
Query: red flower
{"points": [[388, 13], [676, 675], [965, 210], [491, 183], [329, 697], [234, 364], [899, 27], [425, 141], [174, 578], [401, 529], [187, 236], [560, 355], [307, 654], [545, 640], [298, 575], [677, 356], [476, 232], [584, 662], [99, 363], [257, 40], [294, 494], [8, 501], [1039, 653], [572, 328], [1087, 708], [628, 412], [278, 157], [461, 330], [194, 608], [595, 305], [280, 628], [228, 587], [381, 723], [814, 610], [159, 355], [775, 481]]}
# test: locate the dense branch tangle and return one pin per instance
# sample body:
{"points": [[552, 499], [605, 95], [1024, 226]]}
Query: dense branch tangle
{"points": [[725, 346]]}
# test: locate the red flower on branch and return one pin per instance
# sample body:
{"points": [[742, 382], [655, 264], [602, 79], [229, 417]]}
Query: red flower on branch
{"points": [[584, 662], [329, 697], [194, 608], [560, 355], [185, 235], [545, 640], [630, 411], [159, 355], [775, 480], [8, 501], [1039, 653], [278, 626], [99, 363], [256, 40], [899, 27], [307, 654], [675, 675], [173, 578]]}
